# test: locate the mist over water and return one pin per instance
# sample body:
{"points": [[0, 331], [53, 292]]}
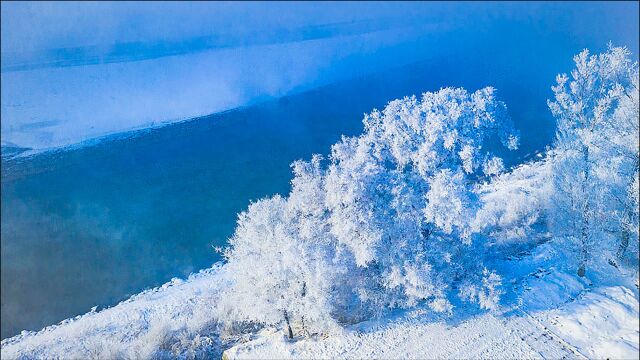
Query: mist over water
{"points": [[92, 225], [95, 69]]}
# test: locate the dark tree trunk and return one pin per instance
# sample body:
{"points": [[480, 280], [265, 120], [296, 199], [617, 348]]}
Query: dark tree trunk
{"points": [[585, 231], [628, 220], [584, 251], [303, 294], [286, 318], [624, 242]]}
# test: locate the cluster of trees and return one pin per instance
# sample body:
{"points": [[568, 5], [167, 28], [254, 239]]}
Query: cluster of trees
{"points": [[398, 216]]}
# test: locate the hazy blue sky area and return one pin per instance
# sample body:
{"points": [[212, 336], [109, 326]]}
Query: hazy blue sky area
{"points": [[94, 221]]}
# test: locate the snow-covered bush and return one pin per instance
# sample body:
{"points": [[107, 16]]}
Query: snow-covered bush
{"points": [[514, 205], [387, 224], [595, 171], [486, 291]]}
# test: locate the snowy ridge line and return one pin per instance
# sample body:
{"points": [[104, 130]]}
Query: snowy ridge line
{"points": [[173, 283]]}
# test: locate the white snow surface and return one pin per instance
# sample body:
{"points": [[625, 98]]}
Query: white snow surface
{"points": [[170, 321], [558, 316], [601, 324]]}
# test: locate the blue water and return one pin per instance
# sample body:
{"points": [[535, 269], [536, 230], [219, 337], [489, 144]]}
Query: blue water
{"points": [[93, 225]]}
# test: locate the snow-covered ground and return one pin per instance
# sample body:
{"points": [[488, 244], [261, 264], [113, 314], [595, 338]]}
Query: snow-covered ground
{"points": [[556, 315], [169, 320], [603, 323], [486, 336], [553, 315]]}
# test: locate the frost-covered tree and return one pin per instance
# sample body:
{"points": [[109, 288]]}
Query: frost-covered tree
{"points": [[385, 225], [596, 166], [281, 262], [400, 194]]}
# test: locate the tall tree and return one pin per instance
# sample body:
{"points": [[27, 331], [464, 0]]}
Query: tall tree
{"points": [[596, 164]]}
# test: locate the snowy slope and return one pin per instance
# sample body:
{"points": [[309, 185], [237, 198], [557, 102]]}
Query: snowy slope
{"points": [[602, 323], [167, 321], [484, 336], [576, 322], [547, 312], [176, 320]]}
